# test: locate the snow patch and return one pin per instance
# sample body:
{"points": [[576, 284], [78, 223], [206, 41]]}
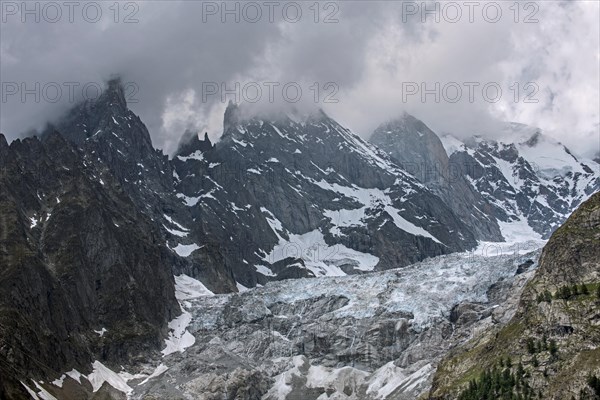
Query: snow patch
{"points": [[157, 372], [187, 288], [241, 288], [179, 338], [175, 232], [101, 332], [451, 144], [76, 375], [197, 155], [184, 250], [261, 269], [518, 231], [189, 201], [319, 257], [103, 374], [371, 198], [59, 382]]}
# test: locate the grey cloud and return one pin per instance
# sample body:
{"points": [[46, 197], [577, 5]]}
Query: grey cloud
{"points": [[368, 54]]}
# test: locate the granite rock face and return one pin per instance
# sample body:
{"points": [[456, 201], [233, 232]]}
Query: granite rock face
{"points": [[420, 152], [279, 196], [524, 178], [301, 196], [76, 257], [112, 136]]}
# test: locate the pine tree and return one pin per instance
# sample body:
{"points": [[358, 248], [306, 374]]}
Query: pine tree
{"points": [[520, 370], [540, 346], [598, 291], [530, 346], [553, 347], [584, 289], [594, 383], [574, 290], [544, 342], [535, 362]]}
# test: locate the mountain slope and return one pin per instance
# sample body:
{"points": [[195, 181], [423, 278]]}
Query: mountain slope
{"points": [[113, 137], [77, 258], [530, 180], [289, 196], [554, 335], [420, 152], [374, 336]]}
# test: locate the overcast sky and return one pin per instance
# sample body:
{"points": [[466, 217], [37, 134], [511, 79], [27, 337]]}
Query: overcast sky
{"points": [[373, 57]]}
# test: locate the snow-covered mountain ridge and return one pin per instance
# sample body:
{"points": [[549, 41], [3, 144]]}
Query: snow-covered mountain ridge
{"points": [[533, 179], [307, 197], [523, 181]]}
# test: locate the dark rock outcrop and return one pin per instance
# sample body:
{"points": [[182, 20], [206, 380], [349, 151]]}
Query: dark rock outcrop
{"points": [[75, 256], [277, 179], [420, 152]]}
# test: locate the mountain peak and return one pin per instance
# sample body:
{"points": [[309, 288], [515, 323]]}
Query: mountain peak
{"points": [[54, 136], [534, 139], [3, 148], [190, 142], [231, 117], [114, 93], [245, 112], [405, 126]]}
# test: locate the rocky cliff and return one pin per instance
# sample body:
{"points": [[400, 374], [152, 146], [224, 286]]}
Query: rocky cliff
{"points": [[76, 259], [421, 153], [553, 340], [526, 177], [287, 196]]}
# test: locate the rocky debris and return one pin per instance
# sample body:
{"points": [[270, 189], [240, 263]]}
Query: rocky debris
{"points": [[524, 267]]}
